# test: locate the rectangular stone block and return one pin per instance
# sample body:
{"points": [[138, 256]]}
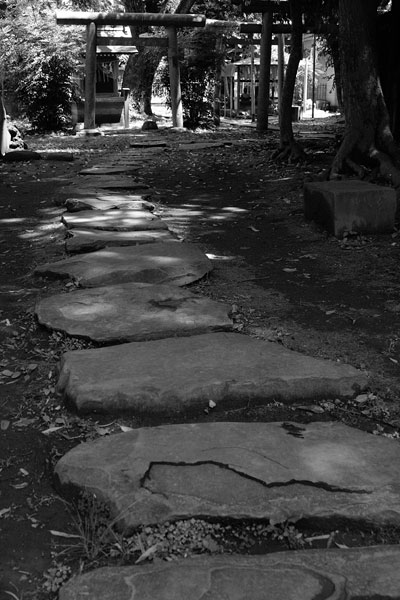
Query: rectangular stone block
{"points": [[350, 205]]}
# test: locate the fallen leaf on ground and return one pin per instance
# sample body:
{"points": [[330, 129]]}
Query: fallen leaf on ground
{"points": [[24, 422], [63, 535], [147, 554], [52, 429], [125, 429]]}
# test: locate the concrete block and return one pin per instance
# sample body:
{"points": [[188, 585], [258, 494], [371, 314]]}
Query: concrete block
{"points": [[350, 205]]}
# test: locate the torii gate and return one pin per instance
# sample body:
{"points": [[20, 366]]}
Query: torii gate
{"points": [[171, 22], [92, 19]]}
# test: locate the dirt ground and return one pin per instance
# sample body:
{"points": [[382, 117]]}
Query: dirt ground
{"points": [[286, 280]]}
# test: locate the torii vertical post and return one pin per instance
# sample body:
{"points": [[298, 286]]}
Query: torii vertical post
{"points": [[252, 82], [265, 68], [90, 77], [174, 77], [281, 67]]}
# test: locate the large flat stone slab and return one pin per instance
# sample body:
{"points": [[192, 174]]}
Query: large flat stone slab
{"points": [[182, 374], [107, 170], [113, 220], [195, 146], [364, 573], [88, 240], [275, 471], [132, 312], [107, 203], [148, 144], [110, 183], [169, 262], [350, 205]]}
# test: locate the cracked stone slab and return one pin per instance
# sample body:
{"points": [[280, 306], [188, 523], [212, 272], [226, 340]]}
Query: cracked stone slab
{"points": [[89, 240], [367, 573], [113, 220], [363, 573], [182, 374], [276, 471], [164, 262], [132, 312], [107, 203]]}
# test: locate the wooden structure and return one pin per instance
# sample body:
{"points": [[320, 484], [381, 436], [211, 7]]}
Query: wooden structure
{"points": [[171, 22], [93, 20]]}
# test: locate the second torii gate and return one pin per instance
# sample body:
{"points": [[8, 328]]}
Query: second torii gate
{"points": [[92, 19]]}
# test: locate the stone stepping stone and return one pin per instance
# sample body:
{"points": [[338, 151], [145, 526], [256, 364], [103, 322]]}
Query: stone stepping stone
{"points": [[293, 575], [147, 152], [113, 220], [132, 312], [276, 471], [104, 170], [182, 374], [191, 146], [82, 240], [169, 262], [107, 203], [88, 184], [148, 144], [125, 184]]}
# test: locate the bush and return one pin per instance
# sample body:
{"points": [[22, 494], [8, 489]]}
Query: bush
{"points": [[47, 94], [197, 70]]}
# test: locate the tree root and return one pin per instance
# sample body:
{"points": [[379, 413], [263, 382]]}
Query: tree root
{"points": [[291, 152], [385, 165]]}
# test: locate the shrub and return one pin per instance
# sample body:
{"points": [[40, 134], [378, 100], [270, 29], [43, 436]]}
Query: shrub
{"points": [[47, 93]]}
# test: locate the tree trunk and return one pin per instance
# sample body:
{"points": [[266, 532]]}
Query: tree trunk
{"points": [[141, 68], [290, 149], [368, 141], [389, 65]]}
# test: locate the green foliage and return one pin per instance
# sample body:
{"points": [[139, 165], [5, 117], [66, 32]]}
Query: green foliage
{"points": [[201, 59], [48, 93], [37, 57]]}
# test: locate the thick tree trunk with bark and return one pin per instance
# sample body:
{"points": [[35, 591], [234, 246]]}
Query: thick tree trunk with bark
{"points": [[389, 64], [141, 68], [289, 149], [368, 142]]}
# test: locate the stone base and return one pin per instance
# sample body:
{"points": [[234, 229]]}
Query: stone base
{"points": [[350, 205]]}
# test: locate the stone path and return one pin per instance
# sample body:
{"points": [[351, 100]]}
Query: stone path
{"points": [[107, 203], [167, 358], [276, 471], [366, 573], [167, 262], [87, 240], [113, 220], [132, 312], [183, 374]]}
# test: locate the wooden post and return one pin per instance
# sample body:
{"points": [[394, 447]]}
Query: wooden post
{"points": [[265, 68], [126, 94], [252, 85], [313, 76], [305, 84], [218, 82], [281, 68], [90, 77], [174, 77], [237, 99]]}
